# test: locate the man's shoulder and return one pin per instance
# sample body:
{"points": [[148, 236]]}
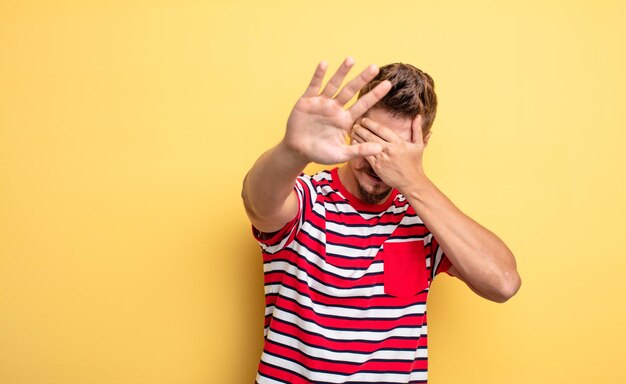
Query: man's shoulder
{"points": [[318, 178]]}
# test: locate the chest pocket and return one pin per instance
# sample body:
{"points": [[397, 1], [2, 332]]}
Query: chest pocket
{"points": [[405, 272]]}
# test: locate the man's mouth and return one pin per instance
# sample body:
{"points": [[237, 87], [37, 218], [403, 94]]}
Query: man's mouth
{"points": [[370, 172]]}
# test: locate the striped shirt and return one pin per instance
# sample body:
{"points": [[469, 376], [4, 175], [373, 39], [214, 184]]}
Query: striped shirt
{"points": [[345, 289]]}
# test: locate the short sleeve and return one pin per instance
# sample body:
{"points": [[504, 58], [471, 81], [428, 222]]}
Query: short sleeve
{"points": [[439, 261], [276, 241]]}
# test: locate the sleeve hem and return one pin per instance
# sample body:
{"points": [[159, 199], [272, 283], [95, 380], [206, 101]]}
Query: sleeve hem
{"points": [[274, 237], [444, 265], [288, 230]]}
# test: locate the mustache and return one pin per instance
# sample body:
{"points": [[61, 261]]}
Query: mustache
{"points": [[368, 169]]}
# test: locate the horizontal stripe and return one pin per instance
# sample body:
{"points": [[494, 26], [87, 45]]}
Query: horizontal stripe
{"points": [[341, 334], [320, 376], [346, 208], [355, 357], [275, 282], [314, 258], [335, 286], [343, 367], [344, 323], [262, 379], [327, 316], [362, 229], [341, 312], [327, 268], [365, 346]]}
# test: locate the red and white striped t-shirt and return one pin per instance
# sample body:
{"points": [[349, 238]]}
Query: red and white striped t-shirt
{"points": [[345, 289]]}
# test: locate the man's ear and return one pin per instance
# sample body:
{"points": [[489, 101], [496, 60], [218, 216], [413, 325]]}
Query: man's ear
{"points": [[427, 138], [416, 129]]}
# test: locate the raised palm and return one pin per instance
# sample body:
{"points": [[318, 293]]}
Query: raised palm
{"points": [[318, 124]]}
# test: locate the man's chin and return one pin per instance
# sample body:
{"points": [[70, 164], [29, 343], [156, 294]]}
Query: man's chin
{"points": [[376, 195]]}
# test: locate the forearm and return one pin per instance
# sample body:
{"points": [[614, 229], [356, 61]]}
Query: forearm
{"points": [[478, 255], [268, 188]]}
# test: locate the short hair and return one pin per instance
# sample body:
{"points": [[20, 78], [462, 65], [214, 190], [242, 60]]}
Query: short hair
{"points": [[412, 93]]}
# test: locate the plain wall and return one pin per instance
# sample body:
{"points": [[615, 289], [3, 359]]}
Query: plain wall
{"points": [[126, 128]]}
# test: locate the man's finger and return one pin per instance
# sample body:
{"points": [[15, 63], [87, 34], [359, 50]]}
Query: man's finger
{"points": [[362, 150], [417, 137], [371, 160], [365, 134], [356, 138], [335, 82], [316, 81], [379, 130], [370, 99], [356, 84]]}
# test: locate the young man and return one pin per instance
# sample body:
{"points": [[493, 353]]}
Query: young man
{"points": [[349, 253]]}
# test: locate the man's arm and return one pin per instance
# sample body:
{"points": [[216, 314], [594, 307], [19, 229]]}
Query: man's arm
{"points": [[316, 132], [478, 256], [267, 192]]}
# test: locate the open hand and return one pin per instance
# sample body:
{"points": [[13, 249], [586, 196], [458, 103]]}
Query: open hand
{"points": [[318, 124]]}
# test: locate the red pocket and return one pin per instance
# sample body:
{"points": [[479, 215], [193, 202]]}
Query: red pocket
{"points": [[405, 271]]}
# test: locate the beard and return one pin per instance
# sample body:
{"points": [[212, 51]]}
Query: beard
{"points": [[376, 195]]}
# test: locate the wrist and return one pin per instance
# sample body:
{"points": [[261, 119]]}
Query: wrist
{"points": [[418, 189], [290, 156]]}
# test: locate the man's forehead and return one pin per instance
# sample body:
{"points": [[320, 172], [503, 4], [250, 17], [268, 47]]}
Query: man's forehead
{"points": [[400, 125]]}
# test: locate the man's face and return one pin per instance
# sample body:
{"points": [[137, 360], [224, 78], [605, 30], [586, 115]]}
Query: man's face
{"points": [[371, 189]]}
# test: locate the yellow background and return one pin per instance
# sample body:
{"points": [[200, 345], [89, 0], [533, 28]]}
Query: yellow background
{"points": [[126, 128]]}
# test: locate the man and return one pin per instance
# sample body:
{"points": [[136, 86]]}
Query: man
{"points": [[349, 253]]}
